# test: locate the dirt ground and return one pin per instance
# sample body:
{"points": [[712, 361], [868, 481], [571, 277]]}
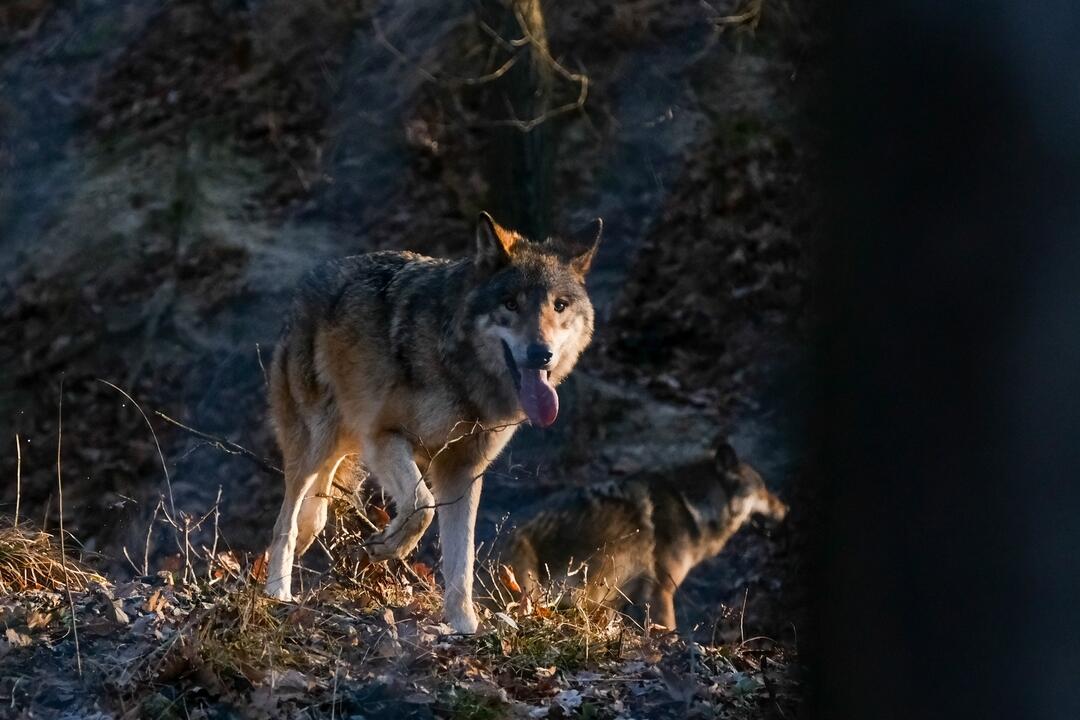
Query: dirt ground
{"points": [[169, 169]]}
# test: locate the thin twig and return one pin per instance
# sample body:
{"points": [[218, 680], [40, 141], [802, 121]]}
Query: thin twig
{"points": [[742, 616], [258, 354], [18, 478], [513, 47], [213, 548], [127, 556], [164, 467], [333, 698], [507, 45], [63, 549], [187, 547], [223, 444], [751, 15], [149, 533], [448, 81]]}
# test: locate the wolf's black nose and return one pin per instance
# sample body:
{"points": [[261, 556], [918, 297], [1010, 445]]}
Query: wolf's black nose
{"points": [[537, 355]]}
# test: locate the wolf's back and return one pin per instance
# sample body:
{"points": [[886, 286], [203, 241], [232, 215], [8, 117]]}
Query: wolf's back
{"points": [[596, 524], [358, 290]]}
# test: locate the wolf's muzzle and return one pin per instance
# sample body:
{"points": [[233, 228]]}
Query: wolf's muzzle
{"points": [[537, 356]]}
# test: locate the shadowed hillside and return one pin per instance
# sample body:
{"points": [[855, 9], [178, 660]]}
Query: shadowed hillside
{"points": [[171, 169]]}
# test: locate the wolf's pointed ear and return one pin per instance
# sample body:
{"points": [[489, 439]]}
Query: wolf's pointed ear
{"points": [[583, 261], [725, 456], [493, 242]]}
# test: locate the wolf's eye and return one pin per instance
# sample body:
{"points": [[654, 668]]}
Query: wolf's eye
{"points": [[560, 305], [510, 304]]}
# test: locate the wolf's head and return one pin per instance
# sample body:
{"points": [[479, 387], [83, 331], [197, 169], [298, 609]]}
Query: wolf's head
{"points": [[530, 313], [745, 488]]}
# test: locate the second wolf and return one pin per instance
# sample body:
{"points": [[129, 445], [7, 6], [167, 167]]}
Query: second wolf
{"points": [[633, 543], [424, 368]]}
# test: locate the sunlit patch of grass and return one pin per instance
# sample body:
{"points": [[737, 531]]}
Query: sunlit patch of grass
{"points": [[30, 560], [242, 635], [548, 639]]}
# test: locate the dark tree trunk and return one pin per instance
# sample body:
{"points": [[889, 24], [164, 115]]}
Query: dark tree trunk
{"points": [[520, 161]]}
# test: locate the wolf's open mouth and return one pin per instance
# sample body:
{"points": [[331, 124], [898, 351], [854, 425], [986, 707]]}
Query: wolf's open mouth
{"points": [[511, 364], [535, 392]]}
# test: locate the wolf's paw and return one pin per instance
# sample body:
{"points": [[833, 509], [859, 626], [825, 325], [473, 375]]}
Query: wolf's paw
{"points": [[387, 545], [463, 621], [399, 538], [278, 590]]}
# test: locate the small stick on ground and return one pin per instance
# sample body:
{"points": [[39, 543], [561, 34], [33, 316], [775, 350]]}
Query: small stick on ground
{"points": [[63, 549], [18, 478], [742, 617], [149, 534], [213, 548]]}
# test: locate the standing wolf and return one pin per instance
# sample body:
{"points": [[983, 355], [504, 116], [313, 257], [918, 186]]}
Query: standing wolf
{"points": [[424, 367], [655, 530]]}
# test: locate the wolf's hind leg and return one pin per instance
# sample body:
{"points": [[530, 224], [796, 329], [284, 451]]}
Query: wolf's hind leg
{"points": [[640, 603], [664, 606], [390, 458], [312, 517], [300, 478]]}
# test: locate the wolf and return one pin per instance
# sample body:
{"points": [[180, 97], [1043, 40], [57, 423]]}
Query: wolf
{"points": [[422, 369], [634, 542]]}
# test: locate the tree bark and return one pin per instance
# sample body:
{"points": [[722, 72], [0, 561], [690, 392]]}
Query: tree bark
{"points": [[519, 166]]}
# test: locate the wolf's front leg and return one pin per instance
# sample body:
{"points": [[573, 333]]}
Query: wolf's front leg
{"points": [[390, 457], [458, 497]]}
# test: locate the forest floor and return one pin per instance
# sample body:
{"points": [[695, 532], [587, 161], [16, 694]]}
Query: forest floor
{"points": [[170, 169]]}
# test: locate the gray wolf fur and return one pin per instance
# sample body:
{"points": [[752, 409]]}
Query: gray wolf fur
{"points": [[634, 542], [423, 368]]}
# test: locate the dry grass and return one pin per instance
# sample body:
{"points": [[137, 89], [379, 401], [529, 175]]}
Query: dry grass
{"points": [[31, 560], [366, 633]]}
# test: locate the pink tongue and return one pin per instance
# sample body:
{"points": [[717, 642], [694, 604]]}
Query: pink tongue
{"points": [[538, 398]]}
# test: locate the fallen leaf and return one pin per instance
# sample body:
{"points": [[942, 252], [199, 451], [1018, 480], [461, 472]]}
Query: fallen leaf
{"points": [[16, 638], [681, 688], [290, 680], [228, 565], [379, 516], [424, 571], [746, 684], [506, 577], [506, 620], [568, 700], [302, 617], [258, 568], [155, 603], [114, 610]]}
